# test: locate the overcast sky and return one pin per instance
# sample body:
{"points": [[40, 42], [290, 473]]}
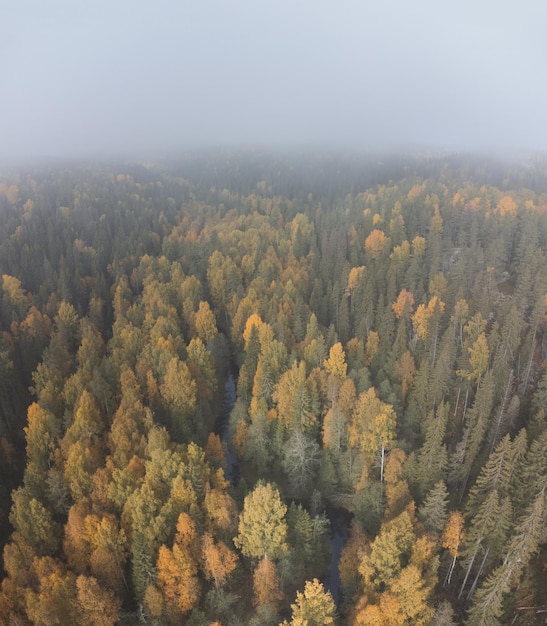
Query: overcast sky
{"points": [[82, 77]]}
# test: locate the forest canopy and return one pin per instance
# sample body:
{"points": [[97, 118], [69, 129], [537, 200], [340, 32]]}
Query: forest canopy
{"points": [[212, 365]]}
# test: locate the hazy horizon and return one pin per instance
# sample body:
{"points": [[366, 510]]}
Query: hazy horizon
{"points": [[125, 78]]}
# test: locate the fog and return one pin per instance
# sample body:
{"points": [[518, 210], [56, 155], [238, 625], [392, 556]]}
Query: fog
{"points": [[135, 77]]}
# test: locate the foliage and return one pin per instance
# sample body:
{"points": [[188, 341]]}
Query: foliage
{"points": [[385, 321]]}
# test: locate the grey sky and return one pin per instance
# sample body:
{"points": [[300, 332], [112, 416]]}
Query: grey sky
{"points": [[121, 76]]}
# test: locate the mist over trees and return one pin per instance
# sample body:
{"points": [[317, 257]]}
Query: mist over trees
{"points": [[385, 322]]}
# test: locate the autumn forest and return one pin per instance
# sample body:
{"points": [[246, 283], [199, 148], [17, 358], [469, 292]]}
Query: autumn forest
{"points": [[254, 388]]}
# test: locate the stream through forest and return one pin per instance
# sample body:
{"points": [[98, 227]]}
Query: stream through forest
{"points": [[339, 518], [232, 469]]}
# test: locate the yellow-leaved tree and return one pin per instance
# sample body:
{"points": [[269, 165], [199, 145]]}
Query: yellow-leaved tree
{"points": [[373, 426], [313, 607], [375, 243], [262, 524], [178, 569]]}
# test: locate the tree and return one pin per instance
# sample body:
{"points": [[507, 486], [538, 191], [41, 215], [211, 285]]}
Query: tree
{"points": [[99, 606], [486, 535], [76, 545], [355, 278], [405, 370], [42, 434], [220, 512], [130, 424], [432, 458], [444, 615], [55, 599], [389, 551], [265, 333], [335, 430], [14, 300], [67, 326], [266, 585], [180, 393], [87, 423], [452, 538], [178, 569], [426, 322], [373, 426], [262, 524], [399, 573], [403, 305], [411, 591], [375, 243], [301, 461], [479, 356], [499, 471], [372, 346], [218, 560], [475, 429], [506, 206], [82, 461], [34, 522], [295, 403], [109, 553], [336, 363], [529, 533], [433, 512], [206, 326], [396, 487], [314, 606]]}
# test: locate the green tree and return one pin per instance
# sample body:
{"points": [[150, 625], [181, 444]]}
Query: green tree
{"points": [[487, 606], [34, 522], [432, 458], [433, 513]]}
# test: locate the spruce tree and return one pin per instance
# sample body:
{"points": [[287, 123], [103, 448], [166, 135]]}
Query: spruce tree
{"points": [[434, 511]]}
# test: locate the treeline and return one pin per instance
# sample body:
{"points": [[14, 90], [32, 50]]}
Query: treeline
{"points": [[387, 323]]}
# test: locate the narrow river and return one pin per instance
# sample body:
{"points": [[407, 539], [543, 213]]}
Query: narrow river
{"points": [[339, 518], [232, 470], [339, 525]]}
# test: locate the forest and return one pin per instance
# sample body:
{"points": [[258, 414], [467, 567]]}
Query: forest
{"points": [[213, 365]]}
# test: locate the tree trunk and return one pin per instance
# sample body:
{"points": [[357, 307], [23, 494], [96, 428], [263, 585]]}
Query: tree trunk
{"points": [[468, 570], [450, 571], [474, 585]]}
